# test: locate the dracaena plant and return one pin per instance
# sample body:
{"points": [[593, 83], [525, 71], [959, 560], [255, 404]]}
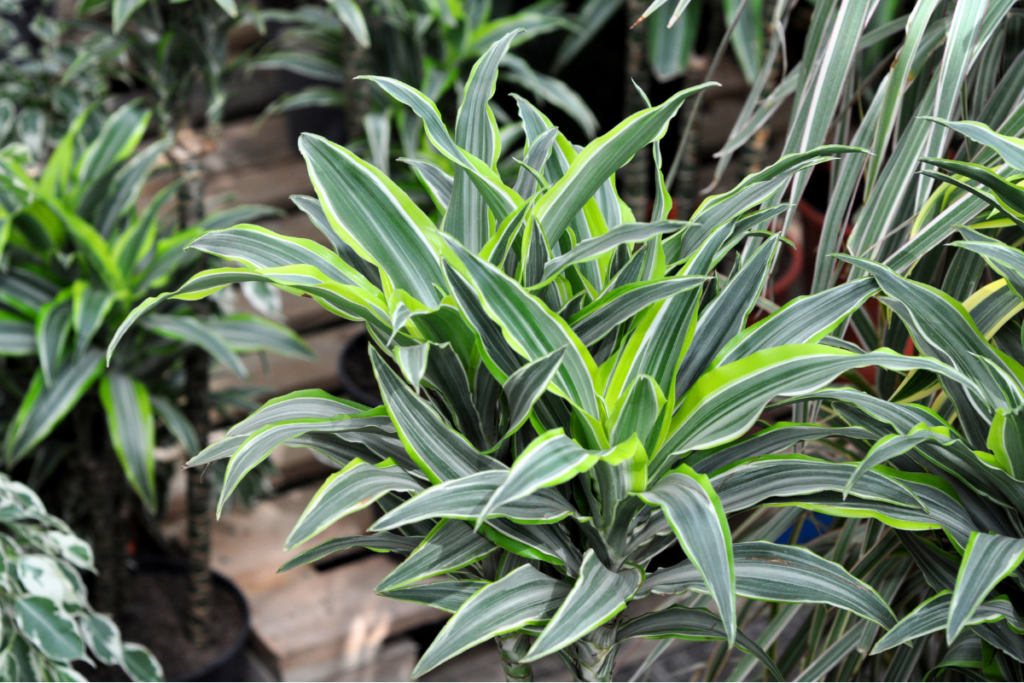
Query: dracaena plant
{"points": [[176, 47], [969, 432], [432, 44], [563, 387], [77, 257], [49, 625]]}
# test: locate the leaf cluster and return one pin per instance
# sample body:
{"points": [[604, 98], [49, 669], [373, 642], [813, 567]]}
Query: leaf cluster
{"points": [[48, 624]]}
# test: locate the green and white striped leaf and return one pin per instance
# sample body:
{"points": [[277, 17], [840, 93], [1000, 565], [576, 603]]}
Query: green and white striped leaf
{"points": [[780, 476], [599, 318], [598, 595], [442, 453], [1011, 149], [589, 249], [309, 403], [379, 543], [988, 559], [476, 132], [1003, 259], [697, 518], [782, 573], [117, 139], [687, 623], [53, 325], [802, 320], [252, 333], [90, 307], [544, 542], [375, 217], [132, 432], [603, 157], [533, 329], [726, 315], [439, 185], [192, 330], [447, 596], [466, 498], [450, 546], [42, 408], [932, 615], [261, 248], [524, 597], [775, 439], [257, 446], [526, 385], [890, 446], [47, 626], [351, 15], [345, 492], [553, 458], [501, 199], [17, 335], [917, 22], [725, 402]]}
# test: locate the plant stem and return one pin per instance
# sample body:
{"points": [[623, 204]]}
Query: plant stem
{"points": [[106, 500], [595, 654], [189, 157], [513, 647], [358, 62], [633, 176]]}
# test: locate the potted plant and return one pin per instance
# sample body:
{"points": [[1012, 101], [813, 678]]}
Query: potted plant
{"points": [[51, 629], [567, 408], [78, 258]]}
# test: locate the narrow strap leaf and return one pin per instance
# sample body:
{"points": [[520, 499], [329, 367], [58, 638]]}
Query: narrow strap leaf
{"points": [[598, 595], [697, 518], [524, 597]]}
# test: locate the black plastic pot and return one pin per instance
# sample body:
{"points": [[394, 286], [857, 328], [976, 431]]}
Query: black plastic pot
{"points": [[230, 665], [355, 373]]}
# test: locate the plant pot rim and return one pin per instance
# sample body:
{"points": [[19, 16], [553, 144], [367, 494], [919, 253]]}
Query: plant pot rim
{"points": [[156, 564]]}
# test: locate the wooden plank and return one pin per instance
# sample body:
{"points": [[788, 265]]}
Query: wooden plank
{"points": [[333, 618], [394, 662], [291, 374], [249, 166], [247, 545]]}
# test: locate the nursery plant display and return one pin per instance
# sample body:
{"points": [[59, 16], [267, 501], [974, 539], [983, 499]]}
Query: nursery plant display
{"points": [[77, 257], [51, 71], [972, 321], [176, 47], [429, 44], [49, 624], [561, 408]]}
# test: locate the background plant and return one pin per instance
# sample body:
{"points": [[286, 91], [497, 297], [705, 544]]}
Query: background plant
{"points": [[49, 625], [78, 256], [560, 409], [51, 71], [426, 43]]}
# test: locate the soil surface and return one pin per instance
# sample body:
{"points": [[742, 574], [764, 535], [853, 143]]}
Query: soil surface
{"points": [[155, 617]]}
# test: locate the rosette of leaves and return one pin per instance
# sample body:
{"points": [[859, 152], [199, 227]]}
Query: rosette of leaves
{"points": [[564, 390], [77, 257], [431, 44], [49, 625], [51, 71]]}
